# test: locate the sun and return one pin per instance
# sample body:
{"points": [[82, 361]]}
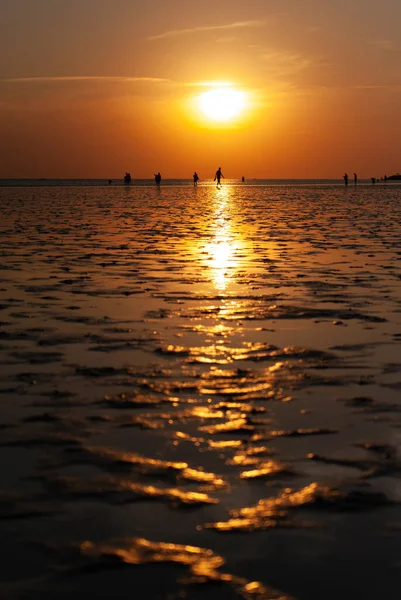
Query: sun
{"points": [[222, 104]]}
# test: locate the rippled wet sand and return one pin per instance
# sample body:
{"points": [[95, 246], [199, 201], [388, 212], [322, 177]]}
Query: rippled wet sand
{"points": [[200, 393]]}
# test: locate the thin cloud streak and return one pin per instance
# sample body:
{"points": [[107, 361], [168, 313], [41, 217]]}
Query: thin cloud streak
{"points": [[235, 25], [385, 45], [390, 87], [117, 79], [209, 84], [85, 78]]}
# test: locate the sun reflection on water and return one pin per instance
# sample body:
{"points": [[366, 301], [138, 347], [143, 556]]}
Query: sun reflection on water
{"points": [[222, 250]]}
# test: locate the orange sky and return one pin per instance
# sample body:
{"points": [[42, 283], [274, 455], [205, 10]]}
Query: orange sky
{"points": [[92, 88]]}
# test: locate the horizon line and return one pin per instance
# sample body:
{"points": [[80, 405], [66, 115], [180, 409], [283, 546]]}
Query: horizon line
{"points": [[189, 178]]}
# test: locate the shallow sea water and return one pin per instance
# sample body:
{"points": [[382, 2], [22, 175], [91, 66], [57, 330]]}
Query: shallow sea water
{"points": [[200, 392]]}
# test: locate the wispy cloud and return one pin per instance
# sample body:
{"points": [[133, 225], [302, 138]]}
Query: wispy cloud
{"points": [[284, 63], [111, 79], [227, 39], [396, 87], [209, 84], [235, 25], [70, 78], [385, 44]]}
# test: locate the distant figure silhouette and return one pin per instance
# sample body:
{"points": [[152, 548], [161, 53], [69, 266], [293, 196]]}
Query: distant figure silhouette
{"points": [[243, 179], [218, 176], [345, 177], [158, 178], [127, 178], [110, 181], [355, 178], [196, 179], [385, 178], [373, 179]]}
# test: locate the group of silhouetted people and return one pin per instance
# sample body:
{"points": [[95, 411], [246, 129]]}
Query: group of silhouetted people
{"points": [[158, 178], [372, 179], [217, 177], [345, 177]]}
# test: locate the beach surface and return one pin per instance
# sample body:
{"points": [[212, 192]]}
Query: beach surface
{"points": [[200, 392]]}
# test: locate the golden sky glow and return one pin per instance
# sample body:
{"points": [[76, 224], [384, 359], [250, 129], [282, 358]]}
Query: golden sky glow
{"points": [[90, 89]]}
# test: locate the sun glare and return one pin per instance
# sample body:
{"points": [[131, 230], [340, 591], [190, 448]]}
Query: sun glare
{"points": [[222, 104]]}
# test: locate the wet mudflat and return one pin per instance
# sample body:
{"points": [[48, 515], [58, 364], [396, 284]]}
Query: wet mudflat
{"points": [[200, 393]]}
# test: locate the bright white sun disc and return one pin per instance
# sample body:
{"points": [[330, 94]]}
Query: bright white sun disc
{"points": [[222, 104]]}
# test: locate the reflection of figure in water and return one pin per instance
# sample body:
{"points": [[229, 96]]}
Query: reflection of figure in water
{"points": [[127, 178], [345, 177], [158, 178], [196, 179], [218, 176], [355, 178]]}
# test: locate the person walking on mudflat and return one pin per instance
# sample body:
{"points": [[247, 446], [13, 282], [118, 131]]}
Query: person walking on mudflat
{"points": [[196, 179], [218, 177], [345, 177]]}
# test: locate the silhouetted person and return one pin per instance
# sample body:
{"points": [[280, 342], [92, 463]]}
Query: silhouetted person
{"points": [[127, 178], [355, 178], [243, 179], [385, 178], [110, 181], [218, 176], [373, 179], [196, 179], [345, 177], [158, 178]]}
